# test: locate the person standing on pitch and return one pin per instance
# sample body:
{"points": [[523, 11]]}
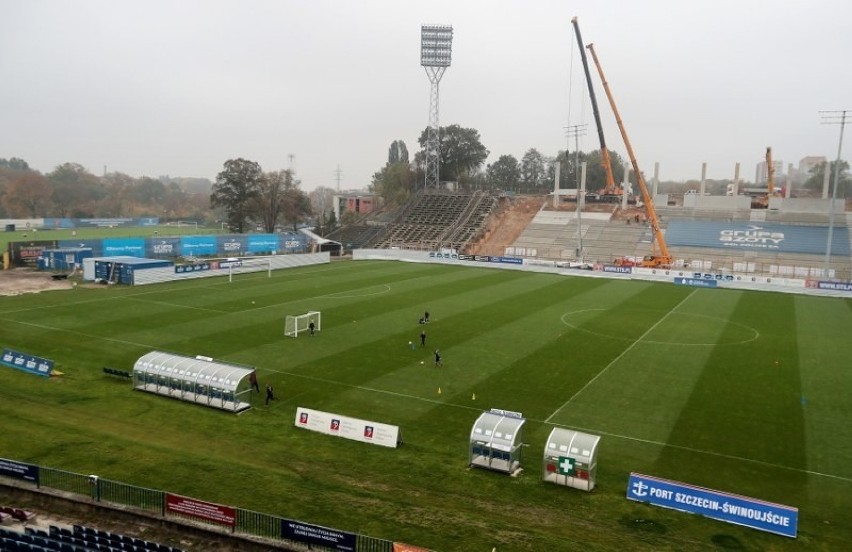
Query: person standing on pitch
{"points": [[269, 395], [423, 338], [311, 327], [426, 317], [253, 380], [438, 358]]}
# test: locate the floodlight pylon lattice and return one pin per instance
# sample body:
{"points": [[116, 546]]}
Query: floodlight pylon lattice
{"points": [[436, 52]]}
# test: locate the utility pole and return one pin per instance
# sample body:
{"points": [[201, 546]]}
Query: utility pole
{"points": [[337, 174], [575, 131], [833, 118]]}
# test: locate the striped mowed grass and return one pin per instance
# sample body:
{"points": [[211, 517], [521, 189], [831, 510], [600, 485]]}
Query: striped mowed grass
{"points": [[737, 391]]}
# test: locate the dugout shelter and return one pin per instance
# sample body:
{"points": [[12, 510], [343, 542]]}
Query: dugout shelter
{"points": [[496, 440], [571, 459], [199, 380]]}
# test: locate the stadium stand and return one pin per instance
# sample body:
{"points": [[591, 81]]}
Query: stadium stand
{"points": [[439, 219], [607, 236], [77, 539]]}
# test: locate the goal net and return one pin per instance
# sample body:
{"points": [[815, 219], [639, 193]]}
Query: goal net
{"points": [[245, 265], [300, 323]]}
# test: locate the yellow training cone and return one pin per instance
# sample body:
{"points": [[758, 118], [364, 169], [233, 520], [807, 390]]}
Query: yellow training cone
{"points": [[439, 390], [473, 398]]}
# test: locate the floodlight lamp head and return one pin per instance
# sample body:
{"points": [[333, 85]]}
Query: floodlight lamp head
{"points": [[436, 45]]}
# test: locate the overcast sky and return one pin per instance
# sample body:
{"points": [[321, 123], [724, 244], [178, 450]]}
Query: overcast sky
{"points": [[178, 87]]}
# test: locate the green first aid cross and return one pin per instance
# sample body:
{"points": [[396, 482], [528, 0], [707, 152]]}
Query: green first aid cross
{"points": [[565, 465]]}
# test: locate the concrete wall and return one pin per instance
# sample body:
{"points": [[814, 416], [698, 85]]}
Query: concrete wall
{"points": [[256, 264]]}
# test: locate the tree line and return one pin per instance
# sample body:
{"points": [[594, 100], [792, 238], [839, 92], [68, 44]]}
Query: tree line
{"points": [[70, 190], [462, 161], [243, 195]]}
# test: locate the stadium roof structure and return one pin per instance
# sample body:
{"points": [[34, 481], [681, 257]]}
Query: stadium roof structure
{"points": [[200, 380]]}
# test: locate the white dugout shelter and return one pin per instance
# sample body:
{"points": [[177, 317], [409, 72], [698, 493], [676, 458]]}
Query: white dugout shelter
{"points": [[571, 459], [496, 440], [199, 380]]}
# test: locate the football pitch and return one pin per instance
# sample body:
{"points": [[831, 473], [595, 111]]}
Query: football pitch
{"points": [[743, 392]]}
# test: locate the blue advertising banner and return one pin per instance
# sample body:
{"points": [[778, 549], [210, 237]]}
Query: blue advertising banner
{"points": [[196, 246], [163, 247], [19, 470], [618, 269], [763, 236], [509, 260], [834, 286], [58, 223], [315, 534], [180, 269], [292, 242], [263, 243], [95, 245], [105, 222], [695, 282], [731, 508], [232, 246], [28, 363], [130, 247]]}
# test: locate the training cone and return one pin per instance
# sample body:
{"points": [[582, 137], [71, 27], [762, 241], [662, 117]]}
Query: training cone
{"points": [[473, 397], [439, 390]]}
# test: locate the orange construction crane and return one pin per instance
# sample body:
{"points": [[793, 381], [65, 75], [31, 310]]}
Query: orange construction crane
{"points": [[610, 188], [770, 173], [660, 258]]}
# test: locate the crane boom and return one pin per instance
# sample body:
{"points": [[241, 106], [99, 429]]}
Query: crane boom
{"points": [[663, 258], [605, 161]]}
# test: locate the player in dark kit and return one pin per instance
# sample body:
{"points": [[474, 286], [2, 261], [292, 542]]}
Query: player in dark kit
{"points": [[437, 358]]}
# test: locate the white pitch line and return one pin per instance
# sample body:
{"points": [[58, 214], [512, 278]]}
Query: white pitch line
{"points": [[593, 431], [708, 452], [616, 359], [164, 303], [75, 332]]}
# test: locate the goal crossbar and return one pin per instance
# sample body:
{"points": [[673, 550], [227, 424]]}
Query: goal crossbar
{"points": [[300, 323]]}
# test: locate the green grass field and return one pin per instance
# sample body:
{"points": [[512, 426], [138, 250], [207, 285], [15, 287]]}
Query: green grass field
{"points": [[736, 391]]}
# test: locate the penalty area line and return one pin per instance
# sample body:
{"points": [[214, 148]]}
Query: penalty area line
{"points": [[372, 389]]}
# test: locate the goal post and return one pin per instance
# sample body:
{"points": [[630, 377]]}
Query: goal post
{"points": [[247, 264], [300, 323]]}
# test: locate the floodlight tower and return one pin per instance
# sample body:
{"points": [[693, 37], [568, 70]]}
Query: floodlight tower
{"points": [[436, 49]]}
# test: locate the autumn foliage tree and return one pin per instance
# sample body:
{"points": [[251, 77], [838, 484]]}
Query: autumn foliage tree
{"points": [[236, 190]]}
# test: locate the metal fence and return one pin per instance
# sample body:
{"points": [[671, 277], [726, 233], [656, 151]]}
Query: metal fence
{"points": [[109, 493]]}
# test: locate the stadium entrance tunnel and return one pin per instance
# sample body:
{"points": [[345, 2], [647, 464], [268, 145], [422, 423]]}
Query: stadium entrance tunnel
{"points": [[199, 380], [571, 459], [496, 441]]}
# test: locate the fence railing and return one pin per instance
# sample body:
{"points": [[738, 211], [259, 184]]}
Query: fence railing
{"points": [[162, 504]]}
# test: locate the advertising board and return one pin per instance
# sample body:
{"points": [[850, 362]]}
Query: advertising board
{"points": [[731, 508], [27, 363], [318, 535], [19, 470], [207, 511], [365, 431]]}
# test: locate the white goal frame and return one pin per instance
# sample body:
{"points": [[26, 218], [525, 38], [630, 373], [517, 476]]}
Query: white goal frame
{"points": [[296, 324]]}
